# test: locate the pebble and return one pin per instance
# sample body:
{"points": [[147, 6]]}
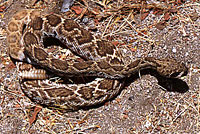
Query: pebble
{"points": [[174, 50]]}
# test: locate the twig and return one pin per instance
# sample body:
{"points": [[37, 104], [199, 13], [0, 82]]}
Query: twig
{"points": [[84, 10], [107, 26]]}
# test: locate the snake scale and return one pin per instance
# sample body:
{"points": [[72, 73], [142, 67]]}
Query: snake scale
{"points": [[28, 33]]}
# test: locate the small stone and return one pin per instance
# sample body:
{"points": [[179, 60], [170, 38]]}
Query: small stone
{"points": [[174, 50]]}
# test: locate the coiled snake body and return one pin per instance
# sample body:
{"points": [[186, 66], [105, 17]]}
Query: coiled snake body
{"points": [[29, 31]]}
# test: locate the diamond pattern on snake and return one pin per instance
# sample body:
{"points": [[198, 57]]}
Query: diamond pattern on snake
{"points": [[29, 32]]}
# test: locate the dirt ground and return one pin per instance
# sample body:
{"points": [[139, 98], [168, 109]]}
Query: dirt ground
{"points": [[148, 104]]}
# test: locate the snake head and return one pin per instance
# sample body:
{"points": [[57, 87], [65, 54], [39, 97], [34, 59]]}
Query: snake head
{"points": [[171, 68], [180, 72]]}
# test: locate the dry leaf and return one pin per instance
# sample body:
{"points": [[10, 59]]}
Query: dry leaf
{"points": [[77, 9], [118, 100], [167, 16], [37, 109], [179, 1], [96, 11], [2, 8], [158, 12], [115, 43], [144, 15], [160, 25]]}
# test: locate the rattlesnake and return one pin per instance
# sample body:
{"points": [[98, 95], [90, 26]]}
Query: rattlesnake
{"points": [[28, 33]]}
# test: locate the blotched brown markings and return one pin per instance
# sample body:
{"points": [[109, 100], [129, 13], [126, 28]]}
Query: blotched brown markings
{"points": [[43, 95], [13, 38], [104, 48], [85, 37], [115, 61], [33, 94], [106, 84], [53, 20], [74, 99], [165, 72], [69, 25], [86, 92], [74, 32], [36, 23], [20, 15], [12, 27], [70, 39], [29, 38], [35, 13], [103, 65], [40, 54], [90, 49], [99, 94], [13, 53], [82, 65], [59, 92], [117, 68], [134, 64], [151, 59], [59, 64]]}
